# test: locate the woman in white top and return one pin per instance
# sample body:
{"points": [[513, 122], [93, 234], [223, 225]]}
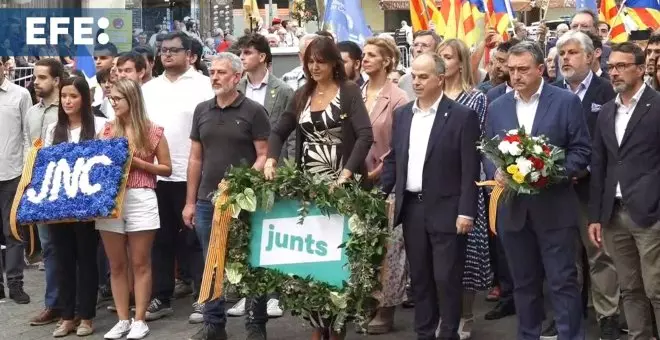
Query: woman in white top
{"points": [[75, 243]]}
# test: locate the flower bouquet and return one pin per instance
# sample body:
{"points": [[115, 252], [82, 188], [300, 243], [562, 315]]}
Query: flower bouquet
{"points": [[529, 163]]}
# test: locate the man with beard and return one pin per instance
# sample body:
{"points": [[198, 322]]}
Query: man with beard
{"points": [[351, 53], [217, 143], [576, 54], [47, 76], [624, 194], [170, 100], [501, 70]]}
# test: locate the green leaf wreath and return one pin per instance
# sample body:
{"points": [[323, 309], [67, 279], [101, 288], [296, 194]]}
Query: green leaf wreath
{"points": [[322, 304]]}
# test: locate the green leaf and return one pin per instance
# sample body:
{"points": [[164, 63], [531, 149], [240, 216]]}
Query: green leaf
{"points": [[247, 200]]}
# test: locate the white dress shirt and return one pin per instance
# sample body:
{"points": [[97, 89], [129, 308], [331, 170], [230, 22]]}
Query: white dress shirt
{"points": [[171, 104], [581, 90], [526, 111], [420, 132], [621, 119], [257, 92]]}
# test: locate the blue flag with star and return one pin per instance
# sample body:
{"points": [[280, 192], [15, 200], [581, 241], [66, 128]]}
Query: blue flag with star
{"points": [[346, 20], [588, 4]]}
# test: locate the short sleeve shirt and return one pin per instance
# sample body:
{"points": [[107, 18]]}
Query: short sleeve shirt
{"points": [[227, 136]]}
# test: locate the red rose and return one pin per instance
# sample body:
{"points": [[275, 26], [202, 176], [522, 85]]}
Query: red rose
{"points": [[512, 139], [537, 162], [542, 182], [546, 149]]}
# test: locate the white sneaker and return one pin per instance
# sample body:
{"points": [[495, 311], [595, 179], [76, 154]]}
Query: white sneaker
{"points": [[197, 316], [119, 330], [273, 308], [139, 330], [465, 328], [238, 309]]}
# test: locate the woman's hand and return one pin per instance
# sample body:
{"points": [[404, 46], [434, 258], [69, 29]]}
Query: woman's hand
{"points": [[137, 164], [344, 176], [269, 169]]}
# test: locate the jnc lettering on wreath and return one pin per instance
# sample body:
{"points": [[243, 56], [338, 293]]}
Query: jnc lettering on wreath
{"points": [[313, 248], [73, 181]]}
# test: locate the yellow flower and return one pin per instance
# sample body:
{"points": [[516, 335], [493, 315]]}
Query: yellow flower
{"points": [[512, 169], [519, 178]]}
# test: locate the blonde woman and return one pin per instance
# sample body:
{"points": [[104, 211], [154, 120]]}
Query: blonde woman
{"points": [[459, 86], [382, 97], [130, 237]]}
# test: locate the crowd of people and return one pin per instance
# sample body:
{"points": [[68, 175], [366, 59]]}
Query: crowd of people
{"points": [[411, 132]]}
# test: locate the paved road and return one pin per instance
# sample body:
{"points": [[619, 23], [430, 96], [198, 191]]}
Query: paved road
{"points": [[14, 325]]}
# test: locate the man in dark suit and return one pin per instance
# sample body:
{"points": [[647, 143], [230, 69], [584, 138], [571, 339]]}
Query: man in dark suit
{"points": [[505, 305], [625, 182], [576, 55], [432, 168], [539, 231]]}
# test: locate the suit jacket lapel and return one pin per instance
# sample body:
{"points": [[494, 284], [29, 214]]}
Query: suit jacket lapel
{"points": [[441, 116], [381, 103], [406, 122], [271, 94], [592, 90], [641, 109], [542, 108], [511, 114]]}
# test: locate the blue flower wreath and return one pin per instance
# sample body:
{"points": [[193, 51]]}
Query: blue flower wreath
{"points": [[81, 207]]}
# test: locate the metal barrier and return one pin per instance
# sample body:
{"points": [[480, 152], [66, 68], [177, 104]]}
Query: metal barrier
{"points": [[20, 75], [405, 56]]}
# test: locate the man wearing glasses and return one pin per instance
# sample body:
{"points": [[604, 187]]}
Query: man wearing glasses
{"points": [[170, 100], [624, 196], [425, 41]]}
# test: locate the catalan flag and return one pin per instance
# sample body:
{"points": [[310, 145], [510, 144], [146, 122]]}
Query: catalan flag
{"points": [[499, 17], [472, 13], [451, 16], [646, 13], [420, 21], [608, 13]]}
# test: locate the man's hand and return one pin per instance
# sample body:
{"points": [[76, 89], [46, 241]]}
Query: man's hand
{"points": [[595, 234], [463, 225], [189, 215], [269, 169], [499, 178]]}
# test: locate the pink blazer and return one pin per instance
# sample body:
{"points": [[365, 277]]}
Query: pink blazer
{"points": [[391, 97]]}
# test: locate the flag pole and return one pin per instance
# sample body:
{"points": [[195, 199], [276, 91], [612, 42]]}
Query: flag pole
{"points": [[618, 14]]}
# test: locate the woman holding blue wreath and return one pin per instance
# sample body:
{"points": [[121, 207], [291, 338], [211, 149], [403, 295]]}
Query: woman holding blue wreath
{"points": [[75, 243], [332, 129]]}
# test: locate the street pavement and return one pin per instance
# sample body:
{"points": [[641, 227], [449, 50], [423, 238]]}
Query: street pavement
{"points": [[14, 322]]}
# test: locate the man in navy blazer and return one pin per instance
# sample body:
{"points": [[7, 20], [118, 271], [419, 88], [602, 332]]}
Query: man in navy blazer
{"points": [[540, 231], [576, 55], [432, 167]]}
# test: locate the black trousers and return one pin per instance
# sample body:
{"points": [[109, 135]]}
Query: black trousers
{"points": [[173, 235], [437, 260], [75, 247]]}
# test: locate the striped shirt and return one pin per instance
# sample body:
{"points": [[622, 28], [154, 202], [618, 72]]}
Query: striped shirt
{"points": [[138, 178]]}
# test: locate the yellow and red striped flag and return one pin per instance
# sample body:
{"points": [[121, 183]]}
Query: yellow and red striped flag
{"points": [[608, 13], [646, 13]]}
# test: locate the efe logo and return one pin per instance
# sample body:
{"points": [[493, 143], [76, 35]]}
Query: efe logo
{"points": [[35, 30]]}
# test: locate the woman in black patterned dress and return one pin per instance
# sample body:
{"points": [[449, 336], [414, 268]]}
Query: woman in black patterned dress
{"points": [[332, 127]]}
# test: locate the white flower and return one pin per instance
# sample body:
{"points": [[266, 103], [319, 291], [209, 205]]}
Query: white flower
{"points": [[356, 226], [544, 171], [524, 165], [513, 132], [538, 150], [535, 176], [515, 149], [504, 147]]}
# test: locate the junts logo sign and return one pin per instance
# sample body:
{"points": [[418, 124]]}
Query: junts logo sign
{"points": [[279, 242]]}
